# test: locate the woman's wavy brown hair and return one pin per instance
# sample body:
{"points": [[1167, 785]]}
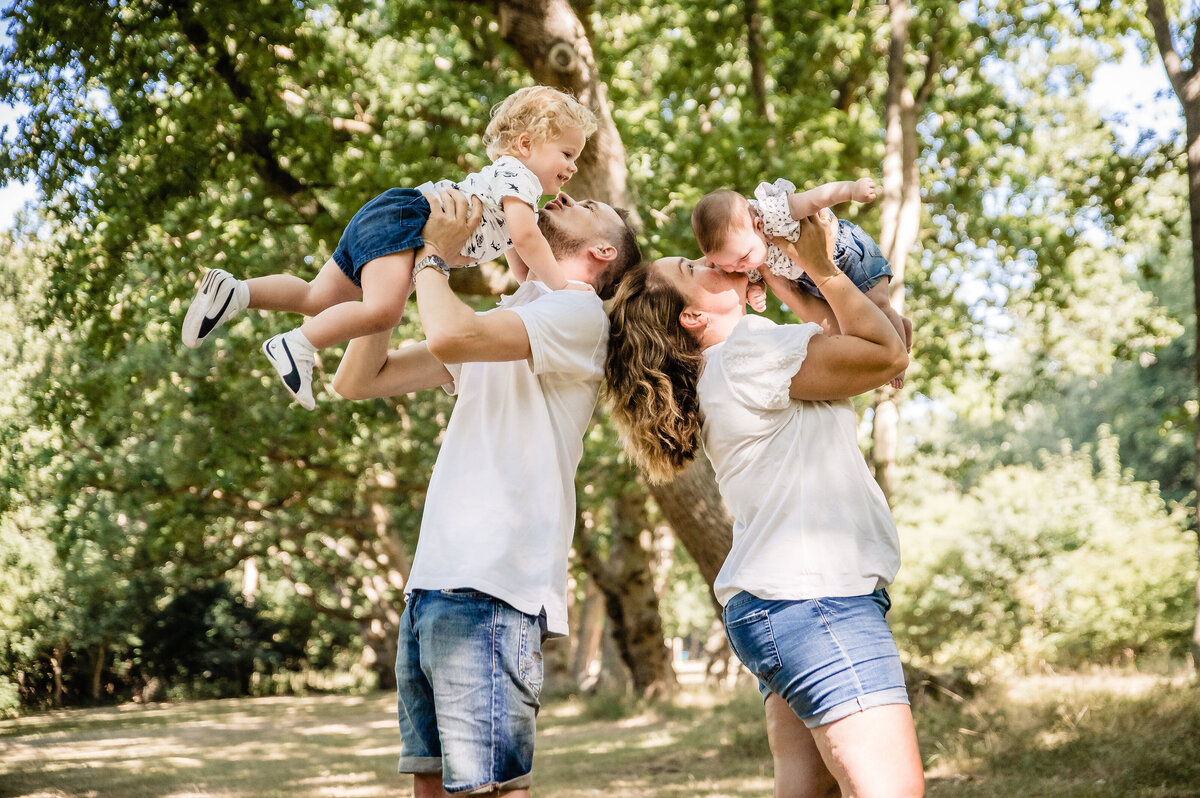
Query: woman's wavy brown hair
{"points": [[651, 372]]}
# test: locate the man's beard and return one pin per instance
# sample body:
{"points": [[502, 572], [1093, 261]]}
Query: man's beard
{"points": [[562, 243]]}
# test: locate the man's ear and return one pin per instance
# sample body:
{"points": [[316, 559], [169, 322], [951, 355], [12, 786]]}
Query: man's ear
{"points": [[692, 320], [605, 253]]}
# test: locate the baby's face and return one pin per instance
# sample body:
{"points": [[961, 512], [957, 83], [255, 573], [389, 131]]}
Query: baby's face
{"points": [[745, 248]]}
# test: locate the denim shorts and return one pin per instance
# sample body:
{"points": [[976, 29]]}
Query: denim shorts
{"points": [[827, 657], [856, 254], [469, 675], [390, 223]]}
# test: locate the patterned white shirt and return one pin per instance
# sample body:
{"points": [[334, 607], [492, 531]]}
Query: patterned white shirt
{"points": [[771, 204], [505, 177]]}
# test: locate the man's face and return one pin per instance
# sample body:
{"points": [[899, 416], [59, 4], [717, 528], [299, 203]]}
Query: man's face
{"points": [[570, 226]]}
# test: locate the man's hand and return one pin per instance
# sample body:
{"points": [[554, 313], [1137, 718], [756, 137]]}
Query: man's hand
{"points": [[453, 216]]}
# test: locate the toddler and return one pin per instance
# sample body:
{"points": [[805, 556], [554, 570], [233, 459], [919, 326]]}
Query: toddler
{"points": [[534, 138], [733, 235]]}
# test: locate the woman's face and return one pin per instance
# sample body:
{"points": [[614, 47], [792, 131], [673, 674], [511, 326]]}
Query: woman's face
{"points": [[706, 290]]}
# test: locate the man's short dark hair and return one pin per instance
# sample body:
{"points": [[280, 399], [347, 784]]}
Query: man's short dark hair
{"points": [[629, 254]]}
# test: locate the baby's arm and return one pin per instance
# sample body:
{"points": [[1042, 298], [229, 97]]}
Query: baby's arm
{"points": [[806, 203], [531, 247]]}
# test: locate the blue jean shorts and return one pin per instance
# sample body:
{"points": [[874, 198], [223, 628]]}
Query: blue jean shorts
{"points": [[856, 254], [469, 676], [388, 224], [827, 657]]}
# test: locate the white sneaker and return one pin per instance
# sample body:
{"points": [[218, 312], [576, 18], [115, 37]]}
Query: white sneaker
{"points": [[294, 361], [219, 298]]}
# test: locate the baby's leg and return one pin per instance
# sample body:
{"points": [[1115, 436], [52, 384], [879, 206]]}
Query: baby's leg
{"points": [[386, 284], [878, 294], [293, 294]]}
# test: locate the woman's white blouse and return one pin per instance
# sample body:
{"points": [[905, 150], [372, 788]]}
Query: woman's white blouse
{"points": [[809, 519]]}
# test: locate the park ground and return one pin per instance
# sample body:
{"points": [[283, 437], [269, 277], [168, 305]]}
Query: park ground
{"points": [[1099, 734]]}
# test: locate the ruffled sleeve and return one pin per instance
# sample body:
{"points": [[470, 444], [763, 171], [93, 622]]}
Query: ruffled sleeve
{"points": [[760, 358], [773, 208]]}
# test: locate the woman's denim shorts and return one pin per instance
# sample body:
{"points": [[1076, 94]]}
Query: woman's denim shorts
{"points": [[826, 657], [388, 224]]}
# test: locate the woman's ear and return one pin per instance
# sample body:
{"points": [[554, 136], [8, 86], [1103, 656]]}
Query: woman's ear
{"points": [[693, 320]]}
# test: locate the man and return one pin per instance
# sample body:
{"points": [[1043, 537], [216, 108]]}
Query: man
{"points": [[489, 576]]}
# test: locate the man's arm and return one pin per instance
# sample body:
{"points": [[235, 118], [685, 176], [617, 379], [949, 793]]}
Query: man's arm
{"points": [[453, 331], [368, 370]]}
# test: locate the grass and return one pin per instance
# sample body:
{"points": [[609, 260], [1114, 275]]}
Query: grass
{"points": [[1096, 735]]}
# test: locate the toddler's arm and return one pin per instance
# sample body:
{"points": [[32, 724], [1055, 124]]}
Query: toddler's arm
{"points": [[531, 247], [806, 203], [516, 267]]}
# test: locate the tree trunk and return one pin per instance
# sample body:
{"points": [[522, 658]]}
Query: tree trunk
{"points": [[627, 582], [758, 67], [56, 658], [98, 672], [692, 505], [589, 635], [1186, 83], [553, 42], [900, 213]]}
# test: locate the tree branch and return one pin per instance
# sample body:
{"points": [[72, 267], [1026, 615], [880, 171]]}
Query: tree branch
{"points": [[1166, 47]]}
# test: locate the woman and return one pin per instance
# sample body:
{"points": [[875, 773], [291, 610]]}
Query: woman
{"points": [[814, 544]]}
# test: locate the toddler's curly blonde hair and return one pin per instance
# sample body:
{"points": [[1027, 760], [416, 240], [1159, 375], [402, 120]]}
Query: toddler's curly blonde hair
{"points": [[542, 112]]}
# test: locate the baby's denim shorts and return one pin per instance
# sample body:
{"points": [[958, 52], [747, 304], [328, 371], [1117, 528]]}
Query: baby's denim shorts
{"points": [[390, 223], [826, 657], [856, 254], [469, 677]]}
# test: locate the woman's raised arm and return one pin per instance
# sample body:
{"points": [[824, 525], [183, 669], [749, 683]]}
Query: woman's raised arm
{"points": [[867, 353]]}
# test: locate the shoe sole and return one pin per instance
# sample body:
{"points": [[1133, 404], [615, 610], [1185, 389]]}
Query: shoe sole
{"points": [[197, 324], [290, 377]]}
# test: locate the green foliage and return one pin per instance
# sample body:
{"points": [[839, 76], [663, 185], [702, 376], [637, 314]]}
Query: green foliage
{"points": [[170, 137], [1069, 563]]}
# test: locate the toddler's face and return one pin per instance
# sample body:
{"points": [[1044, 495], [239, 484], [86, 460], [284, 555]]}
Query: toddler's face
{"points": [[745, 248], [553, 160]]}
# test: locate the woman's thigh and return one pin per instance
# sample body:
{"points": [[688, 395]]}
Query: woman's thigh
{"points": [[800, 772], [873, 754]]}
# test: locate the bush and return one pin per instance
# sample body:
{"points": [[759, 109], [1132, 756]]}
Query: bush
{"points": [[1071, 563]]}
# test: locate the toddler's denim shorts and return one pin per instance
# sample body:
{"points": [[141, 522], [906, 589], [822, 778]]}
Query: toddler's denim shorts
{"points": [[827, 657], [856, 254], [390, 223], [469, 676]]}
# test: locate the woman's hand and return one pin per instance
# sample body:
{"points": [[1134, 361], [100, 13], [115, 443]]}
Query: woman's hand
{"points": [[453, 216], [813, 250]]}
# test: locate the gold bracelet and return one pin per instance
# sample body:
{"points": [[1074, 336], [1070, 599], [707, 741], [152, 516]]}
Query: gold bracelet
{"points": [[836, 273]]}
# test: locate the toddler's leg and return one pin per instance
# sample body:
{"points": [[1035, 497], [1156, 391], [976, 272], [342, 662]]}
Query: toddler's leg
{"points": [[293, 294], [878, 294], [386, 285]]}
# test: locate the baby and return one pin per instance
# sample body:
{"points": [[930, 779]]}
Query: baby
{"points": [[535, 137], [733, 235]]}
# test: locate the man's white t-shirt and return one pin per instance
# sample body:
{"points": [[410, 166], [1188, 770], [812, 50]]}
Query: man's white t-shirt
{"points": [[809, 520], [500, 509]]}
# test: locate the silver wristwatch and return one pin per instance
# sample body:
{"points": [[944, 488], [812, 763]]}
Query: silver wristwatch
{"points": [[434, 261]]}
